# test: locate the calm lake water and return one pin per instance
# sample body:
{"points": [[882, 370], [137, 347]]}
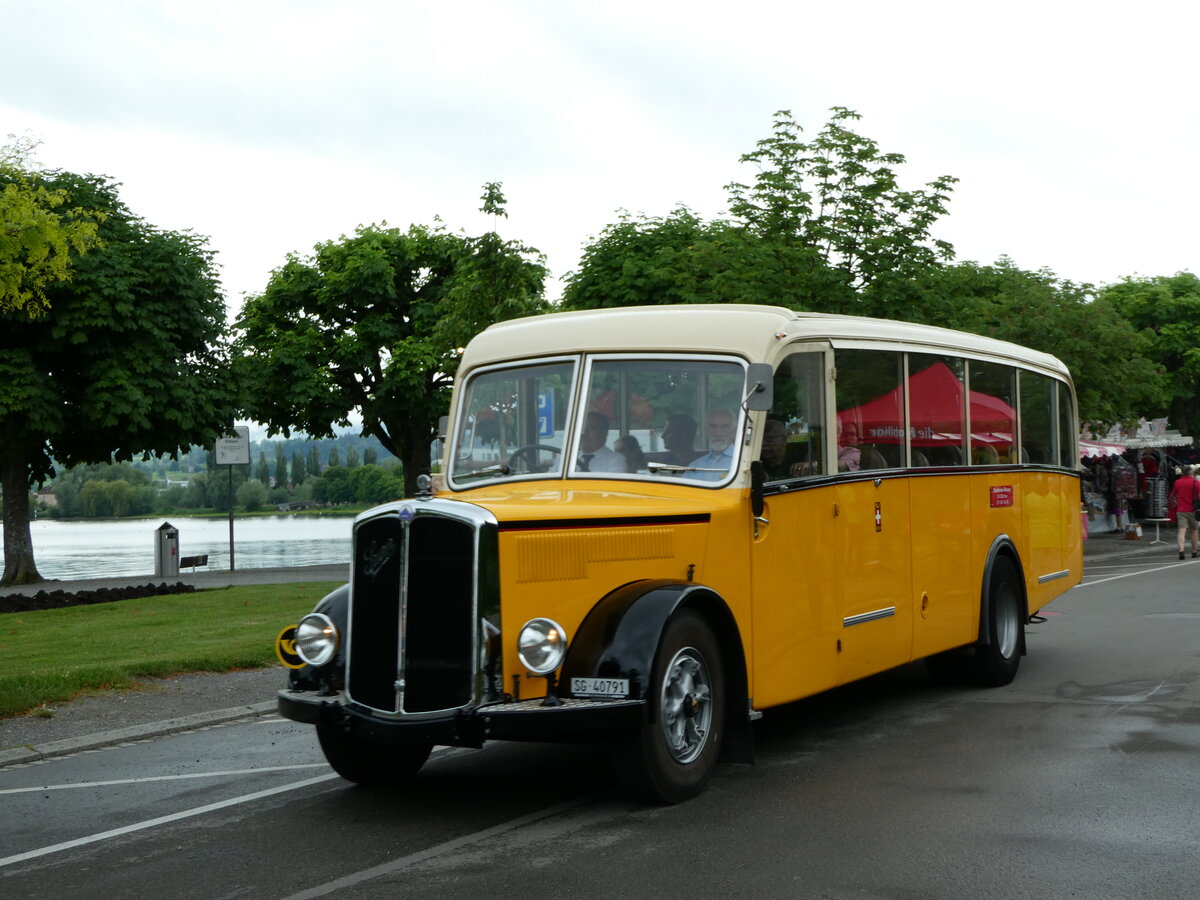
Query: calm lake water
{"points": [[110, 547]]}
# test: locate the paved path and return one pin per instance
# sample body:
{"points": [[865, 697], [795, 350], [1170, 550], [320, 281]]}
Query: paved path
{"points": [[201, 579]]}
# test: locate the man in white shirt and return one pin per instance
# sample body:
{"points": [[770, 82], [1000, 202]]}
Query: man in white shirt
{"points": [[714, 465], [593, 455]]}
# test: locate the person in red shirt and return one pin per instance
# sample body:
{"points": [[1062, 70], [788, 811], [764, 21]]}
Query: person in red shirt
{"points": [[1185, 499]]}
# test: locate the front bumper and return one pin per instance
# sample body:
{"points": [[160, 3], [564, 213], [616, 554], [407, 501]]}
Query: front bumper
{"points": [[521, 720]]}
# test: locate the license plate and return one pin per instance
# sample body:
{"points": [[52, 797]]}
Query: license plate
{"points": [[600, 687]]}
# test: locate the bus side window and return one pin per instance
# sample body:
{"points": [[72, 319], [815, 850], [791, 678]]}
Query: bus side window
{"points": [[870, 409], [1038, 421], [937, 410], [793, 439]]}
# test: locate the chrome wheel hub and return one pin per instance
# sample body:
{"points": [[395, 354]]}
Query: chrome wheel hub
{"points": [[686, 706]]}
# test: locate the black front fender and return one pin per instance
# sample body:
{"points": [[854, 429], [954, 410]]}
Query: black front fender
{"points": [[621, 634]]}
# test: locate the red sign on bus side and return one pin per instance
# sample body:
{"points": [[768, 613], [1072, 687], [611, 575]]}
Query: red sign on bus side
{"points": [[1002, 495]]}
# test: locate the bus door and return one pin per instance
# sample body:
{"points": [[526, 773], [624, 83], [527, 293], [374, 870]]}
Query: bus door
{"points": [[872, 522], [795, 614], [873, 563], [792, 559]]}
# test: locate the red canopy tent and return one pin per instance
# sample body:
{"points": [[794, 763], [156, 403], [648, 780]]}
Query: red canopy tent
{"points": [[936, 412]]}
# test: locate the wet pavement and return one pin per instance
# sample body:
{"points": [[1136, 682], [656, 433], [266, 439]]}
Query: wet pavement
{"points": [[165, 705]]}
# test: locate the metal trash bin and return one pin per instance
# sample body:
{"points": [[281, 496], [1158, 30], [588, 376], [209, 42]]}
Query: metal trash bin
{"points": [[166, 550]]}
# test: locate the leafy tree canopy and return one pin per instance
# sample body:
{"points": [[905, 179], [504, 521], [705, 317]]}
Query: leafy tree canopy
{"points": [[127, 359], [1167, 310], [825, 226], [39, 231], [374, 321], [1109, 357]]}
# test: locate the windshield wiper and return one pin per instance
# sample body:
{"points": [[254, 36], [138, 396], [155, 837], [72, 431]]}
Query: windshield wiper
{"points": [[499, 469]]}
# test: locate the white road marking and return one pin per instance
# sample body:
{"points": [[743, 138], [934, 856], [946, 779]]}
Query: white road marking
{"points": [[152, 778], [1160, 568], [163, 820], [456, 844]]}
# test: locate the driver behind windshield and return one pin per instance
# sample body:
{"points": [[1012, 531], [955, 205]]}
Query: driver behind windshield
{"points": [[593, 455]]}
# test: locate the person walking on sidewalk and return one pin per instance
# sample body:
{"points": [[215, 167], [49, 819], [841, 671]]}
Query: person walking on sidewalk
{"points": [[1184, 499]]}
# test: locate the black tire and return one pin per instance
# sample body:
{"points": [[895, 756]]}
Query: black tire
{"points": [[996, 660], [671, 757], [368, 763], [952, 668]]}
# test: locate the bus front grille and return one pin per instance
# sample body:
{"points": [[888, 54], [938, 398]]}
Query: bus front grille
{"points": [[413, 622]]}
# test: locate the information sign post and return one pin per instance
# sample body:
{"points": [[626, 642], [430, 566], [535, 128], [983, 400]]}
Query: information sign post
{"points": [[233, 450]]}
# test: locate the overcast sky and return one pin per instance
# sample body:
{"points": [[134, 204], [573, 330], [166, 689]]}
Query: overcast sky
{"points": [[272, 125]]}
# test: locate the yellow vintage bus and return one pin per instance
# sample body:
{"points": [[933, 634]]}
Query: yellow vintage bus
{"points": [[654, 523]]}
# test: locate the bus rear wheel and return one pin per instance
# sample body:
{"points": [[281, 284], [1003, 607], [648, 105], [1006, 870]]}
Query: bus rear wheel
{"points": [[671, 757], [368, 763], [997, 659]]}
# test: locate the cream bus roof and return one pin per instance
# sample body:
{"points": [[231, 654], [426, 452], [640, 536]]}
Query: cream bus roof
{"points": [[753, 332]]}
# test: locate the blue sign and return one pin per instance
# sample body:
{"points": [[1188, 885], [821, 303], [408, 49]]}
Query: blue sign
{"points": [[545, 414]]}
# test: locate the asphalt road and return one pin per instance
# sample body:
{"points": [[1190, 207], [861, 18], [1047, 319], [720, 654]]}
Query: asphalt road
{"points": [[1079, 779]]}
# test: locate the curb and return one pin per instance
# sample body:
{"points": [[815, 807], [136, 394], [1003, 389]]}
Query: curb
{"points": [[64, 747]]}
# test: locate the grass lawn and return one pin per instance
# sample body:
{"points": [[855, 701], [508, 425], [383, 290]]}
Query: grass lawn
{"points": [[51, 655]]}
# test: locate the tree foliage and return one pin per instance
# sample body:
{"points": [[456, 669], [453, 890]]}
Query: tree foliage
{"points": [[1109, 357], [39, 231], [374, 322], [838, 195], [825, 226], [1167, 311], [128, 358]]}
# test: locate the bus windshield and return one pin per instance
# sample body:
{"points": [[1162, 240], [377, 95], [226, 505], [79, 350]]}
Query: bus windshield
{"points": [[664, 418]]}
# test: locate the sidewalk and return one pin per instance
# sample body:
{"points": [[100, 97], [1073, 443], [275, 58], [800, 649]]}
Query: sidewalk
{"points": [[1107, 546], [202, 578]]}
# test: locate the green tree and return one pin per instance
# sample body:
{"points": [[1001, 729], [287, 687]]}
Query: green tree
{"points": [[252, 495], [334, 459], [679, 258], [334, 486], [299, 472], [314, 459], [1111, 360], [262, 471], [1167, 311], [281, 475], [824, 227], [351, 457], [370, 457], [839, 195], [40, 231], [371, 484], [373, 322], [128, 359]]}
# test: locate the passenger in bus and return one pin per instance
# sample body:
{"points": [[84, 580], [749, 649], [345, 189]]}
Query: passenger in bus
{"points": [[849, 455], [774, 450], [679, 437], [627, 445], [714, 465], [593, 455]]}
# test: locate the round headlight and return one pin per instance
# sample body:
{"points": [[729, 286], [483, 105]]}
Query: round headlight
{"points": [[541, 646], [316, 639]]}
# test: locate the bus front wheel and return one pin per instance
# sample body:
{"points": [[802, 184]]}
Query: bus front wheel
{"points": [[671, 757], [997, 659], [368, 763]]}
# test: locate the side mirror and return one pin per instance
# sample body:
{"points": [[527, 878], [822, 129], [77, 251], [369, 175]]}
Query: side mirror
{"points": [[760, 387]]}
